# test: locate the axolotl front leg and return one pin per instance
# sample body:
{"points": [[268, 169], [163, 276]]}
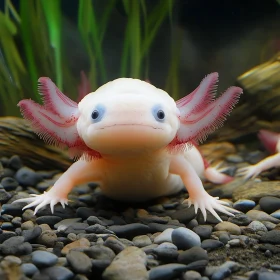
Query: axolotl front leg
{"points": [[197, 194], [78, 173]]}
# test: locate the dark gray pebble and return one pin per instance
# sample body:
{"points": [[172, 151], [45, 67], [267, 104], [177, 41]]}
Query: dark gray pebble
{"points": [[13, 209], [197, 265], [269, 204], [240, 219], [44, 259], [244, 205], [153, 219], [76, 228], [85, 212], [225, 270], [15, 246], [275, 266], [167, 271], [7, 226], [191, 255], [269, 276], [272, 237], [158, 208], [204, 231], [113, 243], [44, 185], [31, 234], [17, 221], [184, 215], [79, 261], [100, 252], [100, 265], [170, 206], [7, 172], [27, 177], [54, 273], [29, 269], [155, 227], [14, 162], [5, 235], [272, 248], [211, 244], [117, 220], [64, 213], [4, 196], [224, 237], [92, 220], [165, 252], [49, 220], [185, 238], [129, 231], [97, 229], [9, 183]]}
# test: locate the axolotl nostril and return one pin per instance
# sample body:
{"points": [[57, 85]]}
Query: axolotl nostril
{"points": [[133, 139]]}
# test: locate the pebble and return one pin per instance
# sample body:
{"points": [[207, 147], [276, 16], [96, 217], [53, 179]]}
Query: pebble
{"points": [[167, 271], [75, 228], [27, 177], [141, 241], [276, 214], [44, 259], [13, 259], [100, 252], [261, 216], [4, 196], [27, 225], [54, 273], [244, 205], [165, 236], [15, 246], [166, 252], [47, 238], [9, 183], [266, 276], [14, 162], [225, 270], [81, 243], [210, 244], [269, 204], [240, 219], [272, 237], [49, 220], [204, 231], [113, 243], [62, 225], [29, 269], [229, 227], [5, 235], [92, 220], [130, 230], [256, 226], [191, 255], [185, 238], [79, 261], [31, 234], [192, 275], [130, 261]]}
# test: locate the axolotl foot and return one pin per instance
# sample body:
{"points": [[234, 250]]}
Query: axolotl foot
{"points": [[207, 202], [47, 198]]}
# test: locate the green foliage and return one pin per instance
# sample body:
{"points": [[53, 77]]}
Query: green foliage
{"points": [[31, 45]]}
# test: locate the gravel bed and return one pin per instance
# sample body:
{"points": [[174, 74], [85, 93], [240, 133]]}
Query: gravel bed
{"points": [[97, 238]]}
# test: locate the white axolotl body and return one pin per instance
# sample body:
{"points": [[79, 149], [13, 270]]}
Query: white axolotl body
{"points": [[131, 138], [271, 141]]}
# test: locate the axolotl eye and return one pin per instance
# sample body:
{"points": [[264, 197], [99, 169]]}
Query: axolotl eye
{"points": [[98, 113], [158, 113]]}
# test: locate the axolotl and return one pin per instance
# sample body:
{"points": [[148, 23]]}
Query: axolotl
{"points": [[271, 141], [133, 139]]}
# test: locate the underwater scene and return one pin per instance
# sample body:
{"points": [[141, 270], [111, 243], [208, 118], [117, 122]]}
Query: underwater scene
{"points": [[139, 139]]}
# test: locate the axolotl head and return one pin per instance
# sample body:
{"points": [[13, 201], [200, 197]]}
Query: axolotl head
{"points": [[127, 115]]}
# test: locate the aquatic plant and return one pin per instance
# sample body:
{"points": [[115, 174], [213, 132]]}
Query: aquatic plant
{"points": [[31, 46]]}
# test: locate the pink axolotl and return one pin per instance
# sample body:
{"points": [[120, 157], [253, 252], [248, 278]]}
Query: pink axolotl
{"points": [[271, 141], [131, 138]]}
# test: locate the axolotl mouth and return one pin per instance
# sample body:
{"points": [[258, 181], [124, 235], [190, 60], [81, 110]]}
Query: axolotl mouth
{"points": [[129, 124]]}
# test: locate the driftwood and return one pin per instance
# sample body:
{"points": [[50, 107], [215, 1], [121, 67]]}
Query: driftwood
{"points": [[17, 138], [259, 106]]}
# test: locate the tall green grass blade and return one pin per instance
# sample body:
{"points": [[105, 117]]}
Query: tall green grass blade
{"points": [[53, 15], [110, 5], [9, 7]]}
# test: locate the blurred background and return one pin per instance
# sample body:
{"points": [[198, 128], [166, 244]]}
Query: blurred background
{"points": [[171, 43]]}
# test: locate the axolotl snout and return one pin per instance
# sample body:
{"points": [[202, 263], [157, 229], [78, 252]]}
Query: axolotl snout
{"points": [[132, 139]]}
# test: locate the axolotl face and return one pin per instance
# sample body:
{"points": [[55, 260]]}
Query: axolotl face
{"points": [[127, 115]]}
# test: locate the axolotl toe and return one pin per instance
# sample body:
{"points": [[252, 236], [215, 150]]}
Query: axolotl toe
{"points": [[133, 139]]}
